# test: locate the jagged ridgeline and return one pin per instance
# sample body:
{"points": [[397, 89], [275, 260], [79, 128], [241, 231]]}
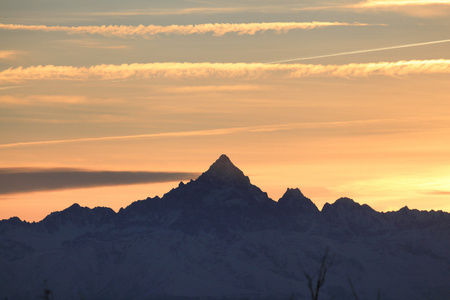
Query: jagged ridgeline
{"points": [[220, 237]]}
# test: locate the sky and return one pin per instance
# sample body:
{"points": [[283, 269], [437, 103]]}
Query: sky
{"points": [[106, 102]]}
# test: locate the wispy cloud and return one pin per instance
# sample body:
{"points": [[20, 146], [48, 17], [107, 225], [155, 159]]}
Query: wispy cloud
{"points": [[52, 99], [211, 89], [394, 3], [9, 87], [210, 132], [183, 11], [9, 54], [257, 8], [223, 70], [421, 8], [438, 193], [25, 180], [217, 29], [94, 44], [223, 131]]}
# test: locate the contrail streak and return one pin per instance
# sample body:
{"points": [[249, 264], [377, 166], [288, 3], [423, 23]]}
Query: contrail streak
{"points": [[208, 132], [361, 51], [155, 135]]}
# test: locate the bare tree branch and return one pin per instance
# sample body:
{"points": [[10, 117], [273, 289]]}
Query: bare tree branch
{"points": [[325, 264], [353, 288]]}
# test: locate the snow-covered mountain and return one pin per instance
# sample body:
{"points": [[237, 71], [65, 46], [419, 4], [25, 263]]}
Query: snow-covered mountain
{"points": [[220, 237]]}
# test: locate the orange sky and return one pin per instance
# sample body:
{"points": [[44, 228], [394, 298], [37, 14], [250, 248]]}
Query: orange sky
{"points": [[371, 125]]}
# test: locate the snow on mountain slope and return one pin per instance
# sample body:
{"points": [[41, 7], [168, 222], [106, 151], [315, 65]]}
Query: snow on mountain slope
{"points": [[220, 237]]}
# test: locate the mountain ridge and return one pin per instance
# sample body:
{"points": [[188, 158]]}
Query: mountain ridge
{"points": [[221, 237], [224, 172]]}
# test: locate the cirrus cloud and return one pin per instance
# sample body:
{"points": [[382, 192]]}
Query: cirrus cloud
{"points": [[393, 3], [217, 29], [420, 8], [10, 54], [176, 70]]}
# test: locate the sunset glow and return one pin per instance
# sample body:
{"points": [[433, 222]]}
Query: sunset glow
{"points": [[347, 100]]}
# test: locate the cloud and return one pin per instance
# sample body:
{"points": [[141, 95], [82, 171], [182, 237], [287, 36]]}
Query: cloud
{"points": [[420, 8], [438, 193], [210, 132], [394, 3], [9, 88], [25, 180], [52, 99], [211, 89], [9, 54], [68, 99], [217, 29], [94, 44], [185, 11], [222, 70], [233, 130]]}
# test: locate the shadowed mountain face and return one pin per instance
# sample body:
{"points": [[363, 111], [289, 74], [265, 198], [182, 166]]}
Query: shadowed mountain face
{"points": [[221, 237], [223, 185], [224, 173], [294, 200]]}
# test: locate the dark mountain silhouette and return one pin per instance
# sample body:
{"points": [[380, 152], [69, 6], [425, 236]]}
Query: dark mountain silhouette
{"points": [[294, 200], [221, 237], [223, 185]]}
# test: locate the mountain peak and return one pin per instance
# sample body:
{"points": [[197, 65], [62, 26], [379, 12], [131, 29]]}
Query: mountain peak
{"points": [[294, 199], [223, 163], [224, 159], [295, 192], [345, 201], [223, 170], [342, 203], [223, 184], [346, 207]]}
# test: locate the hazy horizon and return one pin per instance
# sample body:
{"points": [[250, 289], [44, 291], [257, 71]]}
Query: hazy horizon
{"points": [[60, 180]]}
